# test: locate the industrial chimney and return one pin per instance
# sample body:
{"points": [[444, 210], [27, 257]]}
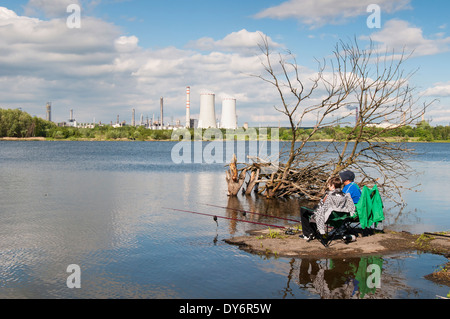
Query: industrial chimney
{"points": [[207, 111], [188, 107], [162, 112], [49, 111]]}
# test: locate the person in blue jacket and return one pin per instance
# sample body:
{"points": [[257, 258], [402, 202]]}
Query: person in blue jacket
{"points": [[350, 187]]}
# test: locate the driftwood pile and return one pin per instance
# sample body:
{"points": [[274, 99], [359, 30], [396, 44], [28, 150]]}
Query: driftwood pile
{"points": [[275, 180]]}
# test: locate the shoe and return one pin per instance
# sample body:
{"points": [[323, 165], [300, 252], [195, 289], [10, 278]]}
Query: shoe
{"points": [[307, 238]]}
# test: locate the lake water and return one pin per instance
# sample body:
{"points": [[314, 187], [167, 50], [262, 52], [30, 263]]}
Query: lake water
{"points": [[102, 206]]}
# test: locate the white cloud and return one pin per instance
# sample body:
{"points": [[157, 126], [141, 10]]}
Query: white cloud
{"points": [[439, 90], [439, 114], [99, 72], [398, 34], [243, 41], [318, 13], [126, 44], [49, 8]]}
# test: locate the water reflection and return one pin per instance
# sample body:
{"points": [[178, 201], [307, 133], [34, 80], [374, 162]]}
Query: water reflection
{"points": [[233, 206], [282, 212], [368, 277], [340, 278]]}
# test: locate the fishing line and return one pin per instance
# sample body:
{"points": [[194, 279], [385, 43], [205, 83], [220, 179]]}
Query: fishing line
{"points": [[215, 217], [249, 212]]}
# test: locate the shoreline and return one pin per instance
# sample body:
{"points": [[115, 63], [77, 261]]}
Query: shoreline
{"points": [[23, 139], [47, 139], [270, 242]]}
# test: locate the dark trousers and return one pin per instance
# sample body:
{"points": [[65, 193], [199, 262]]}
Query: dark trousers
{"points": [[308, 226]]}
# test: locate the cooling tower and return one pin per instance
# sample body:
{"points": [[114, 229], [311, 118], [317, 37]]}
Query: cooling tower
{"points": [[229, 114], [207, 111]]}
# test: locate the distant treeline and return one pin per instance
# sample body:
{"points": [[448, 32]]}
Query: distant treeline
{"points": [[19, 124], [422, 132]]}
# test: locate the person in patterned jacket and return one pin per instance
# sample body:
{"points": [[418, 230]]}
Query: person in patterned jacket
{"points": [[333, 200]]}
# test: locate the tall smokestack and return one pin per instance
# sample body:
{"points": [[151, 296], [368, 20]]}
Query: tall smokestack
{"points": [[71, 115], [188, 107], [162, 112], [49, 111], [133, 118]]}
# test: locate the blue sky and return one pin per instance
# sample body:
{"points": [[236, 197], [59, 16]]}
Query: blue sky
{"points": [[129, 53]]}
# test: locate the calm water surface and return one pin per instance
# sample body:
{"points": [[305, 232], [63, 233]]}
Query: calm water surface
{"points": [[101, 205]]}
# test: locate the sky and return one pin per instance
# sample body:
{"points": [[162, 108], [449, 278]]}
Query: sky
{"points": [[127, 54]]}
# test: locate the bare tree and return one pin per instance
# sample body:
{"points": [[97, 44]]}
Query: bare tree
{"points": [[294, 93], [384, 101], [368, 81]]}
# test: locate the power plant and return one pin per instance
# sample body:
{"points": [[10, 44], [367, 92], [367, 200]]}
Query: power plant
{"points": [[207, 117], [229, 117]]}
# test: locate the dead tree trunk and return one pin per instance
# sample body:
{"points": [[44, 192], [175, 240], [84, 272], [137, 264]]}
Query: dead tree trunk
{"points": [[253, 182], [234, 179]]}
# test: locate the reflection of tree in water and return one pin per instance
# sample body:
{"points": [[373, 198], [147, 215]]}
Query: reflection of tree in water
{"points": [[233, 204], [284, 208], [347, 278]]}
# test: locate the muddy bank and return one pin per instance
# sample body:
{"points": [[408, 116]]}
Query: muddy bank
{"points": [[277, 243]]}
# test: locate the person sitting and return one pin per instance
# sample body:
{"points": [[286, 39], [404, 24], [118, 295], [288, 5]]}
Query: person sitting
{"points": [[333, 200], [350, 187]]}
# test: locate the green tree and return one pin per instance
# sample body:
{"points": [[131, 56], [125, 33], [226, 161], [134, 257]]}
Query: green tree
{"points": [[16, 123]]}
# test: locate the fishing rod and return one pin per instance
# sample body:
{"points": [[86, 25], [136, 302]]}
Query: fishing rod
{"points": [[436, 234], [249, 212], [229, 218]]}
